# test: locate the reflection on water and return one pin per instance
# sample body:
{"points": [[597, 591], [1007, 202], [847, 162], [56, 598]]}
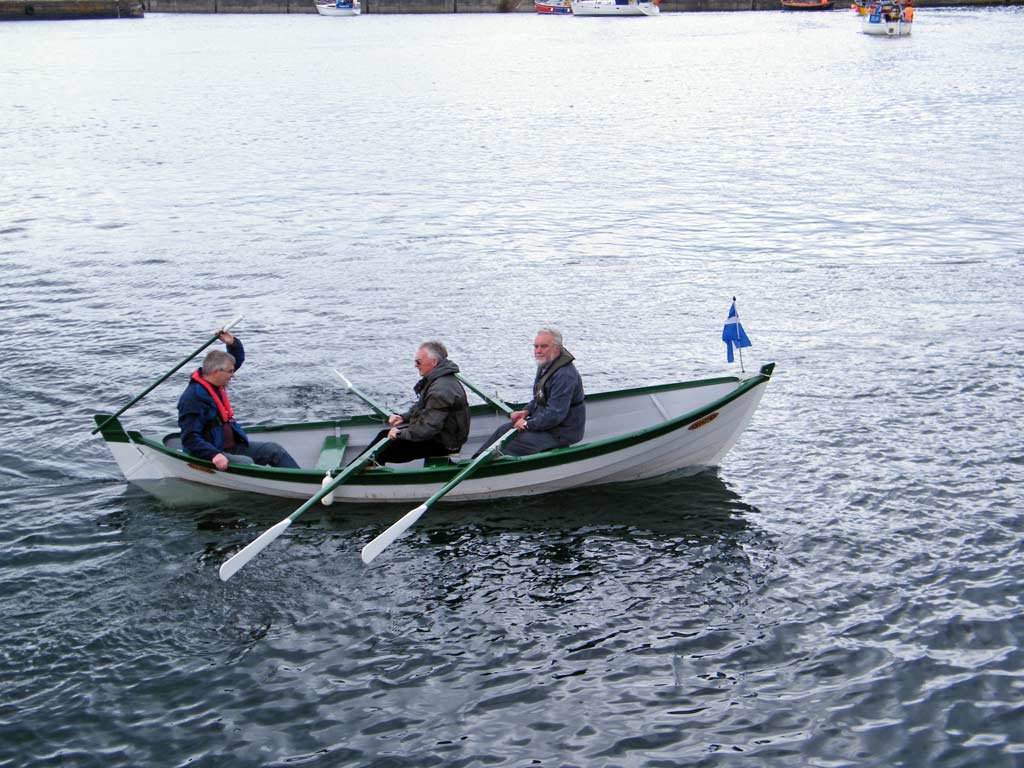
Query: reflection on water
{"points": [[478, 615]]}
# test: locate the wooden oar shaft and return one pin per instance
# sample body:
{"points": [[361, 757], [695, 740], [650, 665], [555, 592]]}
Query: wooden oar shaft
{"points": [[380, 409], [385, 539], [358, 463], [481, 459], [233, 564], [500, 405], [166, 376]]}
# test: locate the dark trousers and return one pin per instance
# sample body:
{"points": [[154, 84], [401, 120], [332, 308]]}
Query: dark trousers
{"points": [[523, 444], [267, 454], [400, 451]]}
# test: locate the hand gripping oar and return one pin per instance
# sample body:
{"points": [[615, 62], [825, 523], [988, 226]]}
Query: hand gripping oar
{"points": [[164, 378], [379, 544], [380, 409], [499, 405], [232, 565]]}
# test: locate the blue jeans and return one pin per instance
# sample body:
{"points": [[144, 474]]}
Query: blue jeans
{"points": [[267, 454]]}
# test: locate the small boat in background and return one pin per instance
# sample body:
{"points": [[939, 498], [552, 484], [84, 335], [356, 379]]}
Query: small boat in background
{"points": [[861, 10], [339, 8], [553, 6], [889, 19], [807, 5], [615, 7]]}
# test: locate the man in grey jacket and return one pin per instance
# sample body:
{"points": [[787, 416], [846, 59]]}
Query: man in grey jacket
{"points": [[438, 423], [557, 415]]}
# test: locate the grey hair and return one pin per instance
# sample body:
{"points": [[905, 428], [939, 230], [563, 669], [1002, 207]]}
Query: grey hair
{"points": [[217, 360], [556, 336], [435, 350]]}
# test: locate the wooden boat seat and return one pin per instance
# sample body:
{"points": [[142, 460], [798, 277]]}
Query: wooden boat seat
{"points": [[332, 452]]}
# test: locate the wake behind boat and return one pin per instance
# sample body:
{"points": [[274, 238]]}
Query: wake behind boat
{"points": [[615, 8], [339, 8], [646, 433]]}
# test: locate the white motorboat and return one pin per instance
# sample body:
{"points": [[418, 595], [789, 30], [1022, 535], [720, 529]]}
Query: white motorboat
{"points": [[615, 8], [339, 8], [888, 19]]}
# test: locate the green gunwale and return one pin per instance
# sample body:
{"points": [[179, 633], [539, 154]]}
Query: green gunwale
{"points": [[113, 432]]}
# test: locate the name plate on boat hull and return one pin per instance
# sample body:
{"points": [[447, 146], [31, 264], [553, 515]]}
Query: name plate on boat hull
{"points": [[699, 422]]}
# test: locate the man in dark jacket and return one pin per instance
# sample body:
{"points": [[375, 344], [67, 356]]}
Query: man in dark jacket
{"points": [[207, 421], [438, 423], [557, 415]]}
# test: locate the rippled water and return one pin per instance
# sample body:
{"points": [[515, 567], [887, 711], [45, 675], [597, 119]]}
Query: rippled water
{"points": [[843, 591]]}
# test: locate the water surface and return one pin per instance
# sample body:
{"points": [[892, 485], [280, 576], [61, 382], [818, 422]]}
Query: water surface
{"points": [[843, 590]]}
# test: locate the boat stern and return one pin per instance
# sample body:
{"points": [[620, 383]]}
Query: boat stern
{"points": [[132, 457]]}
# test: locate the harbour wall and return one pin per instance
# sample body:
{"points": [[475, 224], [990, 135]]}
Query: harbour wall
{"points": [[84, 9], [486, 6], [70, 9]]}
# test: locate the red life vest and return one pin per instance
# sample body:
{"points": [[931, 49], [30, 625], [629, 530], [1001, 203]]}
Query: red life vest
{"points": [[224, 409], [220, 400]]}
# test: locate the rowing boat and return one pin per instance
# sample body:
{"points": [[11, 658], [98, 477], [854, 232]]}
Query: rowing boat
{"points": [[645, 433], [807, 5]]}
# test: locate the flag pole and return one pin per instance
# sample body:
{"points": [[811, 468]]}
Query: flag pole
{"points": [[739, 347]]}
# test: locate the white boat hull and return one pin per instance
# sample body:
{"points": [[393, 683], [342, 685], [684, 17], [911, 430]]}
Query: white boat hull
{"points": [[614, 8], [332, 9], [652, 432], [885, 28]]}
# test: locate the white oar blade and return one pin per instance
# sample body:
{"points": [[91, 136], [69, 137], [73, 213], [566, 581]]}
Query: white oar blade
{"points": [[379, 544], [233, 564]]}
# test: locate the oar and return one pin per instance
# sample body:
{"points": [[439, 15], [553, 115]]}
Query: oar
{"points": [[500, 405], [232, 565], [363, 396], [379, 544], [166, 376]]}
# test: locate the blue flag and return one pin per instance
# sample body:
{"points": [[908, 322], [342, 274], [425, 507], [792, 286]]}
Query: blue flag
{"points": [[733, 332]]}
